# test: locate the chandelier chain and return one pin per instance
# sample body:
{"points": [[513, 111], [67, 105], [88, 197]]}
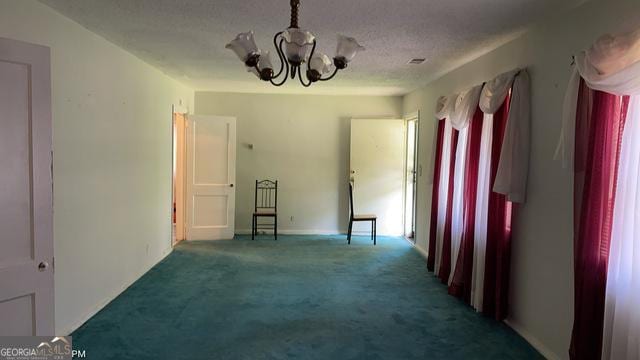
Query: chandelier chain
{"points": [[295, 5]]}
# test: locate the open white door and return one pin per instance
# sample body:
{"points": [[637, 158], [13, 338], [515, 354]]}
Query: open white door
{"points": [[26, 215], [211, 175], [377, 172]]}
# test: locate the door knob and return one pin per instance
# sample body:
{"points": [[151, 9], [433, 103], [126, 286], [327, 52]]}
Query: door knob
{"points": [[230, 185], [43, 266]]}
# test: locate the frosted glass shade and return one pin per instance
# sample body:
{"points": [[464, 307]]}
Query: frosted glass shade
{"points": [[243, 45], [297, 45], [348, 47], [320, 63], [264, 62]]}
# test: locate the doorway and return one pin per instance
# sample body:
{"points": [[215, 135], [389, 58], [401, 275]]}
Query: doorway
{"points": [[411, 176], [178, 173]]}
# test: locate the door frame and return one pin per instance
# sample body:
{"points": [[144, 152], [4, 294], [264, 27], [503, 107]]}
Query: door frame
{"points": [[412, 117], [182, 110]]}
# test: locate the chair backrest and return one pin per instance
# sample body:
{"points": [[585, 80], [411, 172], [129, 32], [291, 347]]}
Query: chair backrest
{"points": [[266, 194], [350, 199]]}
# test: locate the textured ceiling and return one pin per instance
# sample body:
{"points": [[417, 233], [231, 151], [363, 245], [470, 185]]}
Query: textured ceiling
{"points": [[186, 38]]}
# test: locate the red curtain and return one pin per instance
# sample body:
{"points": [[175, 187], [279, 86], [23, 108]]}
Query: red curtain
{"points": [[445, 263], [431, 258], [599, 126], [461, 284], [498, 251]]}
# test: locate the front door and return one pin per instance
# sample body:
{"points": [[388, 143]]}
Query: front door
{"points": [[26, 212], [377, 172], [211, 175]]}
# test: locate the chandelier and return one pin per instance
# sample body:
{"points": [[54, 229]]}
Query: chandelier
{"points": [[296, 49]]}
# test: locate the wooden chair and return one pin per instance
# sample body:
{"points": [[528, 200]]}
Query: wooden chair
{"points": [[265, 205], [354, 218]]}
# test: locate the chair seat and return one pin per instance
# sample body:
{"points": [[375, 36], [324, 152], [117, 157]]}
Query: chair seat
{"points": [[265, 212], [365, 217]]}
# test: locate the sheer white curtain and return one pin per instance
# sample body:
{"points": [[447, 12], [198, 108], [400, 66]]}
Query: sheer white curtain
{"points": [[443, 191], [465, 107], [482, 213], [457, 215], [621, 336]]}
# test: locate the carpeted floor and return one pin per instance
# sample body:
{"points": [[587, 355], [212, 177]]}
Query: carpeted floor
{"points": [[301, 297]]}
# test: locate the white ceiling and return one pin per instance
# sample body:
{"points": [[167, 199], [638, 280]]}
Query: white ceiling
{"points": [[186, 38]]}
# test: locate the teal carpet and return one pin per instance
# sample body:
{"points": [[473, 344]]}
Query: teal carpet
{"points": [[301, 297]]}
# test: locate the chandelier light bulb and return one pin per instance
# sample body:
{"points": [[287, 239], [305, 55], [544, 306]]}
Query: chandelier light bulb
{"points": [[244, 46]]}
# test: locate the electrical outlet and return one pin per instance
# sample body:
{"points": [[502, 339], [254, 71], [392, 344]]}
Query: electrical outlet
{"points": [[291, 218]]}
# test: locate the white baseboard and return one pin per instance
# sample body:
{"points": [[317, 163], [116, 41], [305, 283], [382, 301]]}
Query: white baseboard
{"points": [[420, 250], [100, 305], [293, 232], [537, 344], [310, 232]]}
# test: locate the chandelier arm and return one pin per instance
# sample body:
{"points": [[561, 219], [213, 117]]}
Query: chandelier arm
{"points": [[335, 71], [286, 66], [284, 79], [313, 49], [280, 55], [302, 81]]}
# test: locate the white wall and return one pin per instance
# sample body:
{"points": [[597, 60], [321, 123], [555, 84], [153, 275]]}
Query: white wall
{"points": [[301, 140], [112, 159], [541, 281]]}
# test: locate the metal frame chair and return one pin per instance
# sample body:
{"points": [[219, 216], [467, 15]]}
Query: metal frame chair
{"points": [[354, 218], [265, 205]]}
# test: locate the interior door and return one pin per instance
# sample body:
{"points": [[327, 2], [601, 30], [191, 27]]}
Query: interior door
{"points": [[26, 215], [211, 175], [377, 172]]}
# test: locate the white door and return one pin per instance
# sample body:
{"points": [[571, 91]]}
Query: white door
{"points": [[377, 172], [26, 210], [211, 176]]}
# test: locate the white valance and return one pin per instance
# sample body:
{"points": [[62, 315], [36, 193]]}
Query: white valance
{"points": [[495, 92], [444, 106], [513, 168], [465, 106], [612, 65]]}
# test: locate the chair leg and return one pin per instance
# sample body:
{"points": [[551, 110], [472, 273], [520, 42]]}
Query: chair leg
{"points": [[372, 229], [375, 231], [349, 232], [275, 227], [253, 228]]}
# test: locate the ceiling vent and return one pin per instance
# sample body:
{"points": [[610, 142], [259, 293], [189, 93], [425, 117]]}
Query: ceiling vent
{"points": [[416, 61]]}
